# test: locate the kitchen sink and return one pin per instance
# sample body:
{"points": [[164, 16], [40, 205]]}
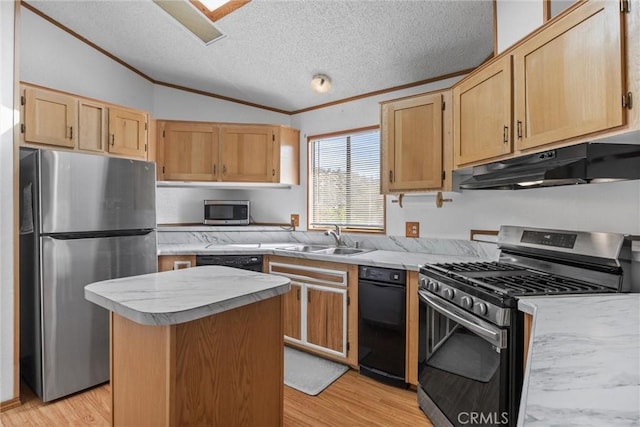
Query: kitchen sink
{"points": [[342, 251], [328, 250], [305, 248]]}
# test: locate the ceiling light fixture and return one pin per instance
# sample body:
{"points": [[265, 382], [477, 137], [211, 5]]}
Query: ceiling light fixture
{"points": [[321, 83]]}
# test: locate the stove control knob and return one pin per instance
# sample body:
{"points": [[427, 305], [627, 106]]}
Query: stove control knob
{"points": [[482, 308], [435, 286], [424, 283], [449, 293], [467, 302]]}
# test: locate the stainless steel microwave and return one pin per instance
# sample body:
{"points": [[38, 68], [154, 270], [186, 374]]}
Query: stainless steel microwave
{"points": [[226, 212]]}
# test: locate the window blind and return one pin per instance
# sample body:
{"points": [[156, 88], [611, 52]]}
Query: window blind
{"points": [[344, 181]]}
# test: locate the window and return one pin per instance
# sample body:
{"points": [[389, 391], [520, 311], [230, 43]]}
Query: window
{"points": [[344, 181]]}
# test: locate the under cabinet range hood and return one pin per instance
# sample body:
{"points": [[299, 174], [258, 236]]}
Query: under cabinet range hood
{"points": [[584, 163]]}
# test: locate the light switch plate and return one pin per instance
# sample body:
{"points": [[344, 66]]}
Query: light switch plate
{"points": [[296, 220], [412, 229]]}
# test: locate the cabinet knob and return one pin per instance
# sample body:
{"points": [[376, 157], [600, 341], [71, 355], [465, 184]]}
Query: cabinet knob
{"points": [[273, 172], [390, 176], [113, 138], [214, 169], [70, 132], [505, 134]]}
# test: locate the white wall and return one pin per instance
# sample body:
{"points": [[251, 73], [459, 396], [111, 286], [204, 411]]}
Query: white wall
{"points": [[52, 58], [7, 122], [516, 19]]}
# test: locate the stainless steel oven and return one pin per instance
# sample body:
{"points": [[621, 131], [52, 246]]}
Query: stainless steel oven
{"points": [[470, 361], [469, 370]]}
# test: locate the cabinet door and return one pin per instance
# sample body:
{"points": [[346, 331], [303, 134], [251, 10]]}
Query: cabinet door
{"points": [[292, 310], [127, 132], [286, 155], [412, 144], [247, 153], [92, 126], [50, 118], [191, 151], [482, 114], [568, 80], [325, 318]]}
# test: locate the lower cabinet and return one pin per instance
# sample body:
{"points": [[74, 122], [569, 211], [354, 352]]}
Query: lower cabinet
{"points": [[175, 262], [321, 310]]}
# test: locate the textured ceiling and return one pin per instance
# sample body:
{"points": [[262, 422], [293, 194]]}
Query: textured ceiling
{"points": [[272, 48]]}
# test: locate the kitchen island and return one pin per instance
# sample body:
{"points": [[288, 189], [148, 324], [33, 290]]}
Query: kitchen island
{"points": [[200, 346]]}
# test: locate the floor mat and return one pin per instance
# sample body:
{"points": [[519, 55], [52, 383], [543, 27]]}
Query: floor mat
{"points": [[308, 373]]}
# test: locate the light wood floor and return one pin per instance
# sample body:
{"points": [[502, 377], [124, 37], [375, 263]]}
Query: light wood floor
{"points": [[353, 400]]}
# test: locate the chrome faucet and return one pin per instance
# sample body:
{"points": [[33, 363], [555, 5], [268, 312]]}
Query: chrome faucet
{"points": [[336, 234]]}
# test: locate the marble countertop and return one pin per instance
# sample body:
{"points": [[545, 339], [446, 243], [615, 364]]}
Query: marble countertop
{"points": [[374, 258], [584, 361], [179, 296]]}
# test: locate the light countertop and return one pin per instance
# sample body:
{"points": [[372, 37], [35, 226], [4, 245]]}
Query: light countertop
{"points": [[584, 361], [374, 258], [179, 296]]}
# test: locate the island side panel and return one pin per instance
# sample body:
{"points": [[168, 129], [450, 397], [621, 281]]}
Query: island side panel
{"points": [[229, 367], [140, 373]]}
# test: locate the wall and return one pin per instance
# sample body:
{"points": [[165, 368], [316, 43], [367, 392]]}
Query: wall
{"points": [[7, 121], [52, 58], [516, 19]]}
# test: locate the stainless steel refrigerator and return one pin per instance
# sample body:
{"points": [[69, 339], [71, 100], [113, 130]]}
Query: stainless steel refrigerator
{"points": [[83, 218]]}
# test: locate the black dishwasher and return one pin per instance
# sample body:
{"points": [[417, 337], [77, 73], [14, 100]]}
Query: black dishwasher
{"points": [[244, 262], [382, 324]]}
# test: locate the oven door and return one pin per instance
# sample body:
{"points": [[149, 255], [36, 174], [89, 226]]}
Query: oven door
{"points": [[463, 366]]}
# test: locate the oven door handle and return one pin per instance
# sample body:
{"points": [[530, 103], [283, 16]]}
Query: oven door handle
{"points": [[496, 337]]}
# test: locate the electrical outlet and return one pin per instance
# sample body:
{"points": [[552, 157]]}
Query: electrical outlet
{"points": [[296, 220], [412, 229]]}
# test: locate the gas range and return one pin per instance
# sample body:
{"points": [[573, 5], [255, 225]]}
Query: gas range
{"points": [[533, 262]]}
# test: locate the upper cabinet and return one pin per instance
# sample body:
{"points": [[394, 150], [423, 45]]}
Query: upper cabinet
{"points": [[56, 119], [247, 153], [482, 114], [50, 118], [569, 79], [127, 132], [415, 143], [203, 151], [92, 126], [189, 151]]}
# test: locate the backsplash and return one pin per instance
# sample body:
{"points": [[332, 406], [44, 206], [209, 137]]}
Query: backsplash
{"points": [[223, 236]]}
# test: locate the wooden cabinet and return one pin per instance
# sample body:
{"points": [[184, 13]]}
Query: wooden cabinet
{"points": [[413, 142], [321, 310], [189, 151], [92, 126], [175, 262], [207, 151], [51, 118], [413, 326], [58, 120], [292, 312], [127, 132], [326, 309], [247, 153], [482, 114], [569, 79], [568, 82]]}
